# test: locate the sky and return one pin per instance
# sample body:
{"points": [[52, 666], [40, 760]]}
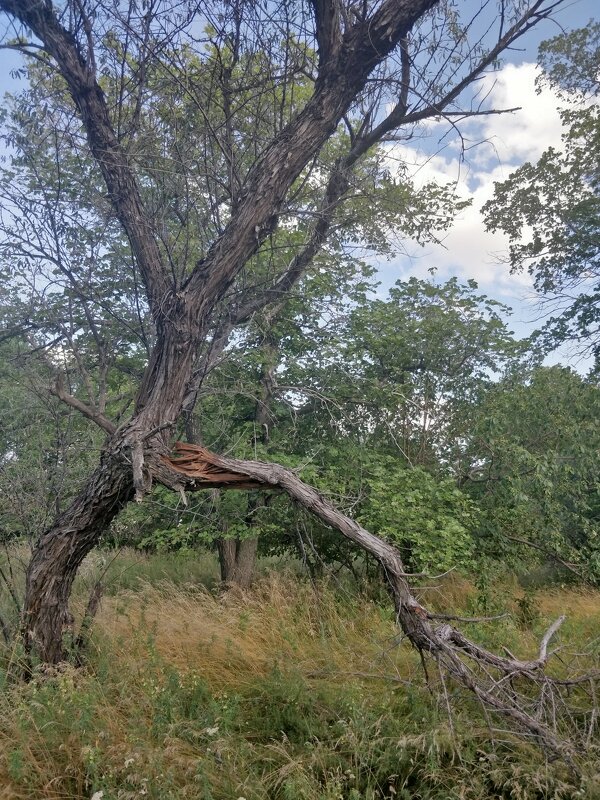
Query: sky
{"points": [[503, 143], [507, 141]]}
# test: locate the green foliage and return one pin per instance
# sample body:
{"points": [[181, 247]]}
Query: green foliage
{"points": [[431, 521], [550, 210], [532, 465], [46, 449], [420, 360]]}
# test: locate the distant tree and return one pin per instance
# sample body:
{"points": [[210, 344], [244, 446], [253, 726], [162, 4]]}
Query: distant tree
{"points": [[550, 210], [532, 464]]}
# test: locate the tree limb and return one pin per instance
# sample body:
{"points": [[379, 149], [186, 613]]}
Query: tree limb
{"points": [[120, 179], [58, 390], [364, 46], [447, 645], [328, 30]]}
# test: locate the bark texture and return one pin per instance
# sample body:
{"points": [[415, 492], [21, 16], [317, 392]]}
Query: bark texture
{"points": [[60, 551], [237, 558]]}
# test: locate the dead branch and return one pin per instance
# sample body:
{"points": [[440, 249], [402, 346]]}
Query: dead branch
{"points": [[465, 661], [543, 657]]}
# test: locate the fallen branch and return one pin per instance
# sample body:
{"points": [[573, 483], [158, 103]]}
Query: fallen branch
{"points": [[465, 661]]}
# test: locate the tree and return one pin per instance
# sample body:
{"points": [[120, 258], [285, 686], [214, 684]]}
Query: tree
{"points": [[421, 358], [58, 225], [379, 66], [532, 464], [550, 210]]}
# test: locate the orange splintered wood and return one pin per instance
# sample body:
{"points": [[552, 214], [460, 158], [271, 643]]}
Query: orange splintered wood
{"points": [[202, 466]]}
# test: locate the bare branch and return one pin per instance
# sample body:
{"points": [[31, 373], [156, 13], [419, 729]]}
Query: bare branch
{"points": [[543, 657], [530, 18], [89, 98], [58, 390]]}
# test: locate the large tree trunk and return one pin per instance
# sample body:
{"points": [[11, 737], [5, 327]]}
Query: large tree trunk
{"points": [[130, 459], [59, 553]]}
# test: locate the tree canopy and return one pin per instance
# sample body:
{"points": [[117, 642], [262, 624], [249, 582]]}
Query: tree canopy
{"points": [[550, 209]]}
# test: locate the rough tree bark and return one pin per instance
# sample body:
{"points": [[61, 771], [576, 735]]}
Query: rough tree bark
{"points": [[237, 559]]}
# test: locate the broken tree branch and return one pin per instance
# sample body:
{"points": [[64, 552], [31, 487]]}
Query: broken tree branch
{"points": [[446, 645], [102, 421]]}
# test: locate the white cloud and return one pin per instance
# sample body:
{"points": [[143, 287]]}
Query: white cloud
{"points": [[522, 135], [504, 142]]}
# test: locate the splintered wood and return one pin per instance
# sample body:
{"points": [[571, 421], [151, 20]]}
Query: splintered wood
{"points": [[204, 467]]}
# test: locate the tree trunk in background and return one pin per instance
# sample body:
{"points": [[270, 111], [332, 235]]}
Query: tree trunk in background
{"points": [[237, 557]]}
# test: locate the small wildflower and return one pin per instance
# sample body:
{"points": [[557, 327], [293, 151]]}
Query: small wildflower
{"points": [[97, 795], [213, 732]]}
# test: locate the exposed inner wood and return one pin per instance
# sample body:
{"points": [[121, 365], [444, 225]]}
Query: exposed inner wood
{"points": [[204, 467]]}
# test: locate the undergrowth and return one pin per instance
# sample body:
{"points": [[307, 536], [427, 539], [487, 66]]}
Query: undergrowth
{"points": [[288, 692]]}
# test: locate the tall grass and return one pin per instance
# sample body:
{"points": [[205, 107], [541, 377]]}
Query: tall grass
{"points": [[288, 692]]}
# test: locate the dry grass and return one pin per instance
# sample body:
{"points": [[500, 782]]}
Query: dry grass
{"points": [[283, 692], [240, 636]]}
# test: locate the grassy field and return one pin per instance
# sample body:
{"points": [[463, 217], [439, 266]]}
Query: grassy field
{"points": [[290, 692]]}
